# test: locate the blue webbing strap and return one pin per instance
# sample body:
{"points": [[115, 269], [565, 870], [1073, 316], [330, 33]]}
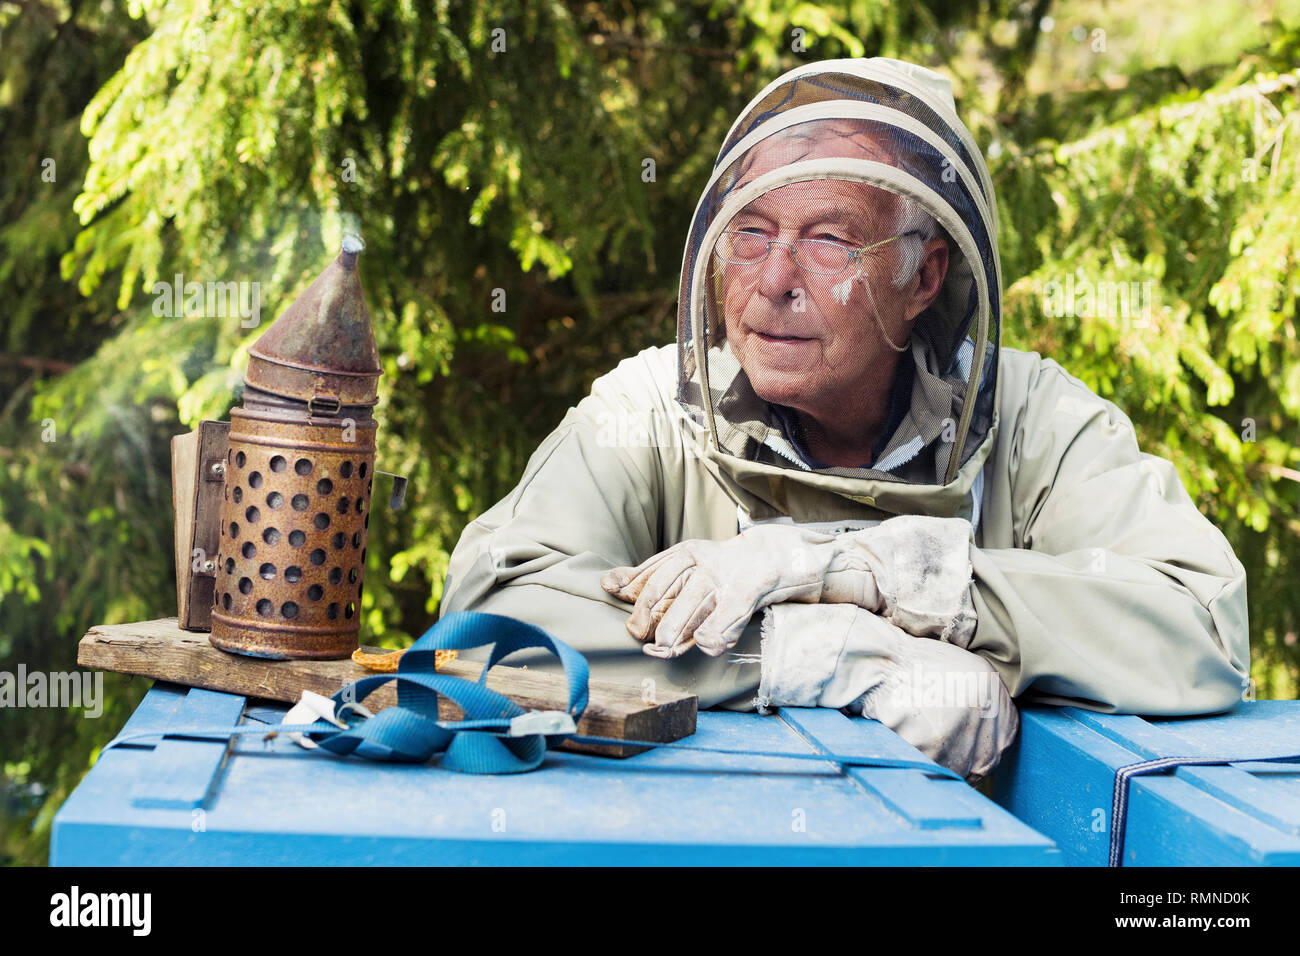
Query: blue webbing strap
{"points": [[481, 742], [411, 731], [1119, 798]]}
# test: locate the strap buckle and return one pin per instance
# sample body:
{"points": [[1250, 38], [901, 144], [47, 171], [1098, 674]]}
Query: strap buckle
{"points": [[356, 708], [543, 722], [310, 708]]}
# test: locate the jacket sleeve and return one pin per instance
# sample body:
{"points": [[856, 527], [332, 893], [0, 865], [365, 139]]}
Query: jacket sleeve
{"points": [[1108, 589], [592, 497]]}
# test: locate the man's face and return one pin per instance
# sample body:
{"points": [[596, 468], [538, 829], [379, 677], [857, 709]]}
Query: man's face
{"points": [[808, 340]]}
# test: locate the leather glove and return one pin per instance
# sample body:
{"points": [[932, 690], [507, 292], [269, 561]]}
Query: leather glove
{"points": [[913, 569], [947, 702], [703, 593]]}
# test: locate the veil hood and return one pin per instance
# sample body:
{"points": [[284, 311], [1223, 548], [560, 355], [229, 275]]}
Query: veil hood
{"points": [[917, 148]]}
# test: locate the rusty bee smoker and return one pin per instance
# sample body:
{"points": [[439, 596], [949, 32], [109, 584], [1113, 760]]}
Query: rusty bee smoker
{"points": [[295, 475]]}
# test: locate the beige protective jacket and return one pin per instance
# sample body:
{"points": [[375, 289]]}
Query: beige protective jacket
{"points": [[1096, 581]]}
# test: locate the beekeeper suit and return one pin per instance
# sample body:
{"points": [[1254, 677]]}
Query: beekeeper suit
{"points": [[836, 489]]}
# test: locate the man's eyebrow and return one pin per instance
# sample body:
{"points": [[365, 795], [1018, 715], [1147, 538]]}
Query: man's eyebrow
{"points": [[835, 215], [838, 215]]}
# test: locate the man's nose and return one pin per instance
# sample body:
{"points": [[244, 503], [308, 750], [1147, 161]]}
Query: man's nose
{"points": [[780, 274]]}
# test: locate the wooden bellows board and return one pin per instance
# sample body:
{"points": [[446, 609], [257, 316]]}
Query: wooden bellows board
{"points": [[162, 650], [197, 485]]}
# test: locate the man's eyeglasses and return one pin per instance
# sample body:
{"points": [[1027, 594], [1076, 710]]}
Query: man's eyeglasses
{"points": [[820, 256]]}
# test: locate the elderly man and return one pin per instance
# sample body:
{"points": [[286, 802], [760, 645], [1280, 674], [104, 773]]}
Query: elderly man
{"points": [[838, 473]]}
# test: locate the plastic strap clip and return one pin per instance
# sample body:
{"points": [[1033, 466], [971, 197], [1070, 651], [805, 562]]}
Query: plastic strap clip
{"points": [[542, 722]]}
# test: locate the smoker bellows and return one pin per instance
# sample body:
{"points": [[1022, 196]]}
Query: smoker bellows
{"points": [[281, 495]]}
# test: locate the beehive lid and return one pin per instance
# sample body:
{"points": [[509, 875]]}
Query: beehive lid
{"points": [[268, 802]]}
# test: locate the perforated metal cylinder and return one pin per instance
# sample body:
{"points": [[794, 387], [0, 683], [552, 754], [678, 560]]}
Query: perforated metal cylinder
{"points": [[294, 517]]}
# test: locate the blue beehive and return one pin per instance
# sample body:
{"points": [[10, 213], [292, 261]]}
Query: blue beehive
{"points": [[186, 801], [1059, 778]]}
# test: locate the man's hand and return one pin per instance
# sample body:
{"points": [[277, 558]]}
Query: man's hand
{"points": [[914, 570], [703, 593]]}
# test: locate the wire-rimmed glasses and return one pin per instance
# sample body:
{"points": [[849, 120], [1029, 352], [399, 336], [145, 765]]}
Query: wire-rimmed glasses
{"points": [[819, 256]]}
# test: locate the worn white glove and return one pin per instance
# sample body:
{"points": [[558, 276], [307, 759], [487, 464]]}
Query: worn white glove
{"points": [[913, 569], [947, 702], [703, 593]]}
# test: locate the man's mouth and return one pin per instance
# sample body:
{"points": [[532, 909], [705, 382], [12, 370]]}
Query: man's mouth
{"points": [[782, 338]]}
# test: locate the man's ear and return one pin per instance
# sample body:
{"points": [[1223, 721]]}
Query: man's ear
{"points": [[927, 282]]}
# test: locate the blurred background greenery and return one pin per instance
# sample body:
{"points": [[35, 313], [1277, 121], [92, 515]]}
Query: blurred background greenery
{"points": [[1129, 142]]}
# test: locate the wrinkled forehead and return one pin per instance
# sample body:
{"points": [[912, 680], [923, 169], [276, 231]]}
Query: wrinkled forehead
{"points": [[857, 206], [824, 139]]}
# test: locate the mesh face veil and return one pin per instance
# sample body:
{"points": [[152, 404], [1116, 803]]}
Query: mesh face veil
{"points": [[825, 154]]}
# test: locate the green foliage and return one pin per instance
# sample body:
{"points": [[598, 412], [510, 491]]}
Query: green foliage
{"points": [[1195, 194], [237, 143], [79, 505]]}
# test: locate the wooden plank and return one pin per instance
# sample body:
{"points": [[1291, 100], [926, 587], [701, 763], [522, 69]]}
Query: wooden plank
{"points": [[1059, 777], [196, 505], [160, 704], [1267, 728], [183, 771], [185, 456], [924, 802], [160, 649]]}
